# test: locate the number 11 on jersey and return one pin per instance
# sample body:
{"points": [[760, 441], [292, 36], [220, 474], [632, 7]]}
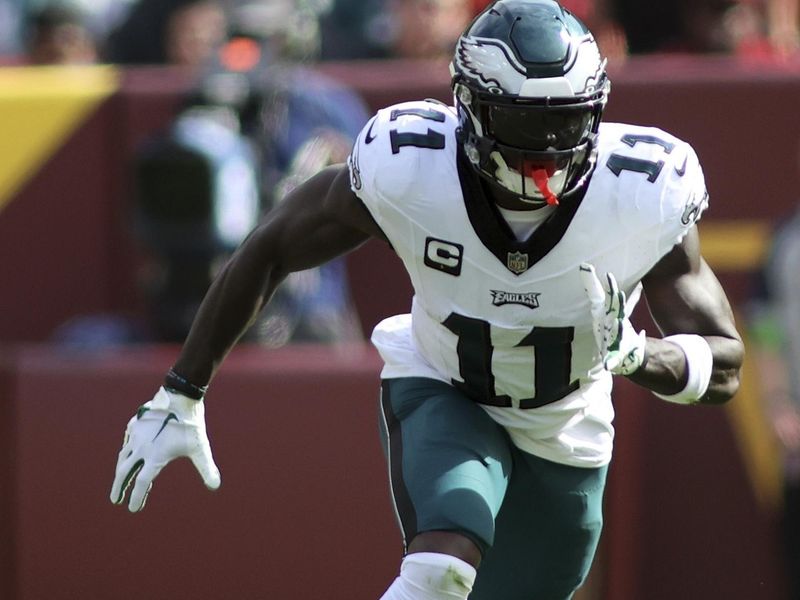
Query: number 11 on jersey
{"points": [[550, 371]]}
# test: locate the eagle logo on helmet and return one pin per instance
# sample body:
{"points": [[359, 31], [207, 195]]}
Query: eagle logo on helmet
{"points": [[491, 64]]}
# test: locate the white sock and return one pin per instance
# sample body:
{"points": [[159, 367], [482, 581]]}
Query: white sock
{"points": [[432, 576]]}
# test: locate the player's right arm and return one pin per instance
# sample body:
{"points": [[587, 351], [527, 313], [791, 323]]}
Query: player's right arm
{"points": [[698, 357], [317, 221]]}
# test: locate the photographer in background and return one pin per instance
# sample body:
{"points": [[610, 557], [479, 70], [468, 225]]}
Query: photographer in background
{"points": [[259, 122]]}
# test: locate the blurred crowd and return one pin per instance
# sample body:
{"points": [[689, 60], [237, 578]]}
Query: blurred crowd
{"points": [[187, 32], [258, 120]]}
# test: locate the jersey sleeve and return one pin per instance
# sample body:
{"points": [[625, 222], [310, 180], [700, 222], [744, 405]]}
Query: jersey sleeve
{"points": [[385, 160], [657, 180], [684, 195]]}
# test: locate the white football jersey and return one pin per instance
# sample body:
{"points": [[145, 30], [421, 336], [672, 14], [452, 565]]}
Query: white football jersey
{"points": [[508, 321]]}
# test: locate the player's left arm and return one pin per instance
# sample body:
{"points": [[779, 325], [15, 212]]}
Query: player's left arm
{"points": [[686, 299]]}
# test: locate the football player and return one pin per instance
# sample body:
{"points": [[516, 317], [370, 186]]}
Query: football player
{"points": [[529, 230]]}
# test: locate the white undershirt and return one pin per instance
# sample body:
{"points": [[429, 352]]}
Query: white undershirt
{"points": [[524, 222]]}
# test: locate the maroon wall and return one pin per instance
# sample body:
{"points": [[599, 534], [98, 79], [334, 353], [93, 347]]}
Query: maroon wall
{"points": [[303, 511], [682, 519], [304, 503]]}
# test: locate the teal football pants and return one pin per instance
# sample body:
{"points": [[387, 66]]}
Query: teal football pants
{"points": [[453, 468]]}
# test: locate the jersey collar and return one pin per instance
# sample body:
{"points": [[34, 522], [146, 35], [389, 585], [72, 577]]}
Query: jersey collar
{"points": [[517, 256]]}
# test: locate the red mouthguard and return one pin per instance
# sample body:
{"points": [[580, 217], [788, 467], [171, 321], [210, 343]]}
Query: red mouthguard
{"points": [[541, 177]]}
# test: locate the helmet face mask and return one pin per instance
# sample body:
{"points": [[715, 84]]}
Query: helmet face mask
{"points": [[515, 170], [530, 87]]}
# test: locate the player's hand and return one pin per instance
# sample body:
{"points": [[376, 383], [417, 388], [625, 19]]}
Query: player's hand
{"points": [[621, 348], [167, 427]]}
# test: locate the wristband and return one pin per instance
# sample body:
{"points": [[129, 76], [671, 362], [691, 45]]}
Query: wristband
{"points": [[699, 364], [180, 385]]}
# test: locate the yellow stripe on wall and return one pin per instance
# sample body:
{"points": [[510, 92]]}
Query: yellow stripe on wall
{"points": [[741, 245], [760, 451], [735, 245], [40, 107]]}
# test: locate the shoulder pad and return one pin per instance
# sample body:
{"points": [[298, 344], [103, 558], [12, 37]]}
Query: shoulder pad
{"points": [[655, 176], [391, 149]]}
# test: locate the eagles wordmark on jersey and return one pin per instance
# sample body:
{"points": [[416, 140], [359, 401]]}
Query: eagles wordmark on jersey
{"points": [[507, 320]]}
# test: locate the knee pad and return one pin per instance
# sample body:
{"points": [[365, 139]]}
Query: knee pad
{"points": [[432, 576]]}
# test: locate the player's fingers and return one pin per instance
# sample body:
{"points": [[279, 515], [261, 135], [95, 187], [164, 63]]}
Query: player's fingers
{"points": [[618, 297], [126, 438], [613, 304], [144, 482], [615, 336], [126, 472], [203, 461], [612, 361], [591, 284]]}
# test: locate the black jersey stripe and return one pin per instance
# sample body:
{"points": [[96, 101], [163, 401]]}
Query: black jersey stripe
{"points": [[406, 514]]}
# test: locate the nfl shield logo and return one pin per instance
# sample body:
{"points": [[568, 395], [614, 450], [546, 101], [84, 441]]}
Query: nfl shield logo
{"points": [[517, 262]]}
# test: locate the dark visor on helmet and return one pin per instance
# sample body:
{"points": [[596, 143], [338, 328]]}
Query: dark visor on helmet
{"points": [[537, 127]]}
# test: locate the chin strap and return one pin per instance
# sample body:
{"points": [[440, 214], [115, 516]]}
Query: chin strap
{"points": [[541, 177]]}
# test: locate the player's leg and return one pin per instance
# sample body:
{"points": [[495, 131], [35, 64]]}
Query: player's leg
{"points": [[431, 576], [546, 533], [449, 465]]}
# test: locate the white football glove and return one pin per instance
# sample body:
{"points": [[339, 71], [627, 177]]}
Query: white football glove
{"points": [[621, 348], [167, 427]]}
